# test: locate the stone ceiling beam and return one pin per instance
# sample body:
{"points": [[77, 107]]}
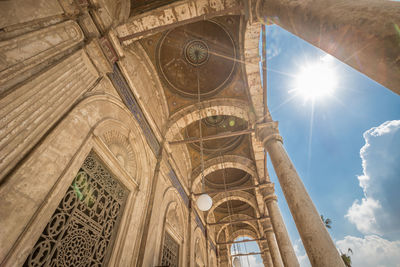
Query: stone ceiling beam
{"points": [[241, 241], [238, 221], [233, 189], [173, 15], [212, 137]]}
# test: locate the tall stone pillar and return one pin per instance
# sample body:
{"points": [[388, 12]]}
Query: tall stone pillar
{"points": [[316, 240], [289, 257], [272, 245], [266, 257], [364, 34]]}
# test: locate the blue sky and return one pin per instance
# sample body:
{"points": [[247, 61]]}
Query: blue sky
{"points": [[348, 157]]}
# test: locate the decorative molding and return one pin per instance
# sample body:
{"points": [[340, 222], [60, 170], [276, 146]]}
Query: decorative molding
{"points": [[30, 110], [27, 54], [212, 246], [177, 184], [178, 13], [108, 50], [128, 98], [119, 145], [199, 222]]}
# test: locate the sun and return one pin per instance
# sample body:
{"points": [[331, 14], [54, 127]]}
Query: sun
{"points": [[316, 80]]}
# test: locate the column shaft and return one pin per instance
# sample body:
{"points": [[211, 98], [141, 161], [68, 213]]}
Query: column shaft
{"points": [[316, 240], [285, 246], [267, 260], [273, 249], [364, 34]]}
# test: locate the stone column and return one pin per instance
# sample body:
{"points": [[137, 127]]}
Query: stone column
{"points": [[266, 257], [364, 34], [272, 245], [316, 240], [289, 257]]}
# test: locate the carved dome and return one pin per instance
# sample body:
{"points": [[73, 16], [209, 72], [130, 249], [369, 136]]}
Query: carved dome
{"points": [[213, 125], [203, 47]]}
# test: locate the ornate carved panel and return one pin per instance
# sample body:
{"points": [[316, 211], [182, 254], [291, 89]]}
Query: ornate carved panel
{"points": [[83, 228], [170, 253]]}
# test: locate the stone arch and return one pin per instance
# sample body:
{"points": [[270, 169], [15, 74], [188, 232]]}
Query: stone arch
{"points": [[172, 214], [212, 107], [244, 233], [121, 141], [252, 67], [240, 216], [198, 247], [145, 83], [143, 80], [222, 162], [243, 196], [62, 153]]}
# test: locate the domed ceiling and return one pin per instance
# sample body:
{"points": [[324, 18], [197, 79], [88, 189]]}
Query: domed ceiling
{"points": [[198, 55], [228, 177], [215, 125]]}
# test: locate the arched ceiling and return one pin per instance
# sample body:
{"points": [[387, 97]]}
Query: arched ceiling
{"points": [[211, 48], [216, 125], [207, 56], [228, 178], [198, 56]]}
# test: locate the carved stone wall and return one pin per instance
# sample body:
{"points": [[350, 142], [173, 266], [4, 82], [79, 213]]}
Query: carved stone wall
{"points": [[27, 54], [30, 110], [20, 11]]}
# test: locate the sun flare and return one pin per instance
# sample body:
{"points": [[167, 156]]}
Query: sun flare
{"points": [[316, 80]]}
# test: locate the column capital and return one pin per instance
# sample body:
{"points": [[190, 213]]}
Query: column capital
{"points": [[267, 189], [268, 131]]}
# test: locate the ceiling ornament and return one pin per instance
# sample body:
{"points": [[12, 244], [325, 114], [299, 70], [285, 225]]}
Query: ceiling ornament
{"points": [[196, 52], [184, 50]]}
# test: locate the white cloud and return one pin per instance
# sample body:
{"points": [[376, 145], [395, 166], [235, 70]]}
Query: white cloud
{"points": [[253, 261], [274, 41], [363, 215], [379, 211], [371, 251]]}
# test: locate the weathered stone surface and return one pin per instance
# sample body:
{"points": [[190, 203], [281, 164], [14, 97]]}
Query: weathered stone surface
{"points": [[27, 54], [20, 11], [39, 182], [30, 110], [180, 11]]}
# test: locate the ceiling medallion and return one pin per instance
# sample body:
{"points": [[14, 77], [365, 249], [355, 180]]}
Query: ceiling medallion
{"points": [[204, 45], [196, 52]]}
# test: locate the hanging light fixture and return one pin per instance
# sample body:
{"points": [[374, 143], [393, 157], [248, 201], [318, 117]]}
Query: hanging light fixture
{"points": [[204, 202]]}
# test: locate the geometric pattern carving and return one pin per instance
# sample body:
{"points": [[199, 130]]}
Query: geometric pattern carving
{"points": [[82, 230], [122, 150], [170, 253]]}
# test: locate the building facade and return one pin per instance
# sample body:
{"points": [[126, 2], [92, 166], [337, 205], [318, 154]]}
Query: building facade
{"points": [[117, 115]]}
